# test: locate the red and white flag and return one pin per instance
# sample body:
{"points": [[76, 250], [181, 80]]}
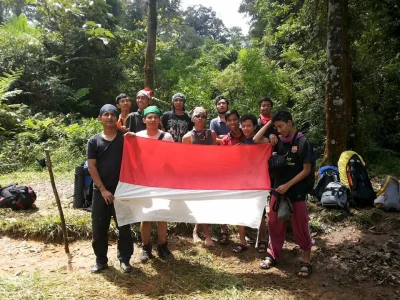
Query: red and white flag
{"points": [[174, 182]]}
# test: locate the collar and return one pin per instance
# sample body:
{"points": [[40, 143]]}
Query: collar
{"points": [[232, 136], [220, 120]]}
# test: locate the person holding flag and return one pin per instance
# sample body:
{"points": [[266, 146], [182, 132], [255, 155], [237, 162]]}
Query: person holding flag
{"points": [[200, 135], [104, 153], [152, 119]]}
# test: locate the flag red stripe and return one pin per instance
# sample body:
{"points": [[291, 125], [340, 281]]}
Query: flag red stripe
{"points": [[157, 163]]}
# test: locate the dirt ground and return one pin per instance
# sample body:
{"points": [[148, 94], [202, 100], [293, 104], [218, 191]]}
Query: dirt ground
{"points": [[348, 263]]}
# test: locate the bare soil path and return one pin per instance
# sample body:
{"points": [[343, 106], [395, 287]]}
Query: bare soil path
{"points": [[348, 263]]}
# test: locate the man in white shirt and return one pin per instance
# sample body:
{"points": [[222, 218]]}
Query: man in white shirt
{"points": [[152, 119]]}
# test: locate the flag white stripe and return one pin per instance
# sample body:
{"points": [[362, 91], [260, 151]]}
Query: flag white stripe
{"points": [[134, 203]]}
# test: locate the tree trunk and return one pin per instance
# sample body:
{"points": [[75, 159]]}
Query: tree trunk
{"points": [[338, 90], [151, 44]]}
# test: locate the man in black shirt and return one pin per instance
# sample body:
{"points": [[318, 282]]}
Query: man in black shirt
{"points": [[134, 121], [290, 185], [177, 122], [104, 153]]}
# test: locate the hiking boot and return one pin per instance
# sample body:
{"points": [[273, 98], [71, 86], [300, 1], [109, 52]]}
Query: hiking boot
{"points": [[163, 252], [97, 268], [126, 267], [146, 253]]}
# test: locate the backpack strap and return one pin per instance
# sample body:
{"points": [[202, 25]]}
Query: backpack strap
{"points": [[161, 136]]}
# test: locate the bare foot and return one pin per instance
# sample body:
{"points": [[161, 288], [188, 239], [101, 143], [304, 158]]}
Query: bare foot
{"points": [[196, 238], [209, 242]]}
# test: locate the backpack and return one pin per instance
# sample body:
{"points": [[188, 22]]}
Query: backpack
{"points": [[17, 197], [335, 195], [310, 179], [326, 175], [278, 160], [389, 195], [359, 182]]}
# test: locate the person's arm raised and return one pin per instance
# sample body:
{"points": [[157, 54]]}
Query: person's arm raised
{"points": [[259, 138]]}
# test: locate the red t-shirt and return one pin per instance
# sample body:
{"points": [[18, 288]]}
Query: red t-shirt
{"points": [[230, 139]]}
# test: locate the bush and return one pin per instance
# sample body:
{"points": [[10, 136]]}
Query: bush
{"points": [[64, 135]]}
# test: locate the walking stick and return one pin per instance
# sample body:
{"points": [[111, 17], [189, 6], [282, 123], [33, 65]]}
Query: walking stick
{"points": [[53, 184]]}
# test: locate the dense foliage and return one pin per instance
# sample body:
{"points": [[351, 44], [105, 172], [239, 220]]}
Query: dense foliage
{"points": [[63, 59]]}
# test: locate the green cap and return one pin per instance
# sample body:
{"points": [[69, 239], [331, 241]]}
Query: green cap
{"points": [[151, 110]]}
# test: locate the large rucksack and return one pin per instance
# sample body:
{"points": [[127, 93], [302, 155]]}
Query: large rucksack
{"points": [[335, 195], [389, 195], [356, 177], [17, 197], [326, 175], [310, 179]]}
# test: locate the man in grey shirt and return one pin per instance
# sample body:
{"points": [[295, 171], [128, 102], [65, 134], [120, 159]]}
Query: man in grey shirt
{"points": [[218, 125]]}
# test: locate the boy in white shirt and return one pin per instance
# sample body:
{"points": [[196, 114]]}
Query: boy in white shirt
{"points": [[152, 119]]}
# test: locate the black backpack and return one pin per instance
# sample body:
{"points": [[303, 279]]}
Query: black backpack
{"points": [[360, 185], [17, 197], [310, 179]]}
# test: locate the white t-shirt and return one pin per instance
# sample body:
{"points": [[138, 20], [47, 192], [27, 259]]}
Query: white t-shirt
{"points": [[167, 137]]}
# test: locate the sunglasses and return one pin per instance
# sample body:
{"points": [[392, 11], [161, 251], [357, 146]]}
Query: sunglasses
{"points": [[200, 116]]}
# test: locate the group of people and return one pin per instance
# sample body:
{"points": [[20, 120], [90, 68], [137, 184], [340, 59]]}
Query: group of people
{"points": [[104, 155]]}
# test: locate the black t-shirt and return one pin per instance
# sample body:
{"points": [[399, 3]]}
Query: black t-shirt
{"points": [[294, 166], [134, 122], [176, 125], [108, 155], [248, 141], [271, 130]]}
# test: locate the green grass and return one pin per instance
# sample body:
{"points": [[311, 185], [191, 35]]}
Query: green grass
{"points": [[195, 274], [369, 218], [27, 177]]}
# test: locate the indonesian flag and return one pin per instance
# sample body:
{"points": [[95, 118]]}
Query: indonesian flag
{"points": [[174, 182]]}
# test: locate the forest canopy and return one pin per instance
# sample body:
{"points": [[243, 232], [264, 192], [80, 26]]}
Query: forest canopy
{"points": [[60, 60]]}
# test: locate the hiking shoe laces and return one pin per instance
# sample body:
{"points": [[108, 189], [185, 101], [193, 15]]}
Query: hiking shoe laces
{"points": [[163, 252], [146, 253]]}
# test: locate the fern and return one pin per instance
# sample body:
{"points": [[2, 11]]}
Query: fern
{"points": [[19, 27], [5, 83], [79, 94]]}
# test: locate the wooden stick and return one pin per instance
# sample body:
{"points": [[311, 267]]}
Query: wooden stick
{"points": [[53, 184]]}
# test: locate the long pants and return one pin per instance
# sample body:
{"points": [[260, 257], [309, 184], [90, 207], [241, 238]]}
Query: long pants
{"points": [[101, 218], [277, 228]]}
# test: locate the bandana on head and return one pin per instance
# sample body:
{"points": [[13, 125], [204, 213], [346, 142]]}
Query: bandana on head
{"points": [[152, 110], [178, 96], [109, 108], [198, 110], [147, 92]]}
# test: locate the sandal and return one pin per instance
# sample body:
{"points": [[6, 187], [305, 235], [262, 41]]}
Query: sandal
{"points": [[268, 262], [250, 240], [239, 248], [262, 247], [224, 238], [305, 270]]}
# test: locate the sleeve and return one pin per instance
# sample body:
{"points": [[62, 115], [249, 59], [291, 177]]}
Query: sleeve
{"points": [[190, 124], [164, 120], [91, 152], [213, 125], [308, 153], [168, 137], [128, 122]]}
